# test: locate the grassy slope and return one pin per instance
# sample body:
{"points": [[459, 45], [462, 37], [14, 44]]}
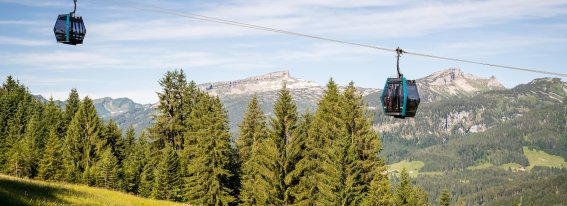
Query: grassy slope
{"points": [[540, 158], [17, 191], [412, 167]]}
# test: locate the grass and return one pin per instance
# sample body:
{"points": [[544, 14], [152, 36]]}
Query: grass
{"points": [[412, 167], [18, 191], [540, 158], [510, 166], [485, 165]]}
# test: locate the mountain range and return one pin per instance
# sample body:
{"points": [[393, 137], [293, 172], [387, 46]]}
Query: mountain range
{"points": [[469, 128], [236, 94]]}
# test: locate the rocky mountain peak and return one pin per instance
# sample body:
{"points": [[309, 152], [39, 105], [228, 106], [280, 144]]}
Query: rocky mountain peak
{"points": [[454, 82], [449, 75], [264, 83]]}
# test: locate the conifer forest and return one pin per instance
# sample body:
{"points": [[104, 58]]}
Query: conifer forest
{"points": [[325, 157]]}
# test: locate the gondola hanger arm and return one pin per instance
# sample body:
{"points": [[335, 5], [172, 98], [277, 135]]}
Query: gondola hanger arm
{"points": [[74, 8], [399, 53]]}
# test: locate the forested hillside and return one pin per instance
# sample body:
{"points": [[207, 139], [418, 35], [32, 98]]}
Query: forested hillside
{"points": [[327, 157], [498, 147], [490, 146]]}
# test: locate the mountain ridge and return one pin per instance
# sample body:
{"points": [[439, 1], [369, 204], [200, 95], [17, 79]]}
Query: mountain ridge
{"points": [[440, 85]]}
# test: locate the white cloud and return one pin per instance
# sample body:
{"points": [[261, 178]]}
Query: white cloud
{"points": [[6, 40], [330, 18], [36, 3], [20, 22], [49, 81], [60, 60]]}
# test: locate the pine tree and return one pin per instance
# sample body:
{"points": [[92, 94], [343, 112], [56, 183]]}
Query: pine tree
{"points": [[210, 154], [167, 181], [445, 199], [252, 132], [83, 134], [51, 164]]}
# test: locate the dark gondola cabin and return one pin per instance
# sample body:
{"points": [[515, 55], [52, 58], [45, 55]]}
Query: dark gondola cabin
{"points": [[69, 28], [400, 97]]}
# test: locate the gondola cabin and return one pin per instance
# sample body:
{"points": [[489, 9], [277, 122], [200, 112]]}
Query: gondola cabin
{"points": [[69, 29], [400, 97]]}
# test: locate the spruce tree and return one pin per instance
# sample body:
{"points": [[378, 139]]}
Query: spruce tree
{"points": [[71, 106], [283, 125], [326, 150], [167, 182], [16, 108], [129, 141], [251, 192], [147, 175], [361, 147], [404, 189], [252, 128], [83, 134], [252, 132], [52, 118], [134, 163], [51, 163], [107, 170], [169, 125], [445, 199], [379, 193], [419, 197], [209, 154], [15, 132], [112, 138], [339, 164], [24, 156], [276, 164], [299, 179]]}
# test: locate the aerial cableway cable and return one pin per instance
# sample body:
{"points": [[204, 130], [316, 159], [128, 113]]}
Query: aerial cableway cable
{"points": [[157, 9]]}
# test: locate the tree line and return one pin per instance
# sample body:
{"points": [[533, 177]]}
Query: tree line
{"points": [[327, 157]]}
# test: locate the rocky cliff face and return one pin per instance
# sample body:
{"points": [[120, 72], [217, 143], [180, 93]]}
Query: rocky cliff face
{"points": [[454, 82]]}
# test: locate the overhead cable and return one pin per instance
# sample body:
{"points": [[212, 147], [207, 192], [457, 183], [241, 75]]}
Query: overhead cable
{"points": [[157, 9]]}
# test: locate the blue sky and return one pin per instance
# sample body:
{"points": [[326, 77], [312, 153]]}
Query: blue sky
{"points": [[126, 51]]}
